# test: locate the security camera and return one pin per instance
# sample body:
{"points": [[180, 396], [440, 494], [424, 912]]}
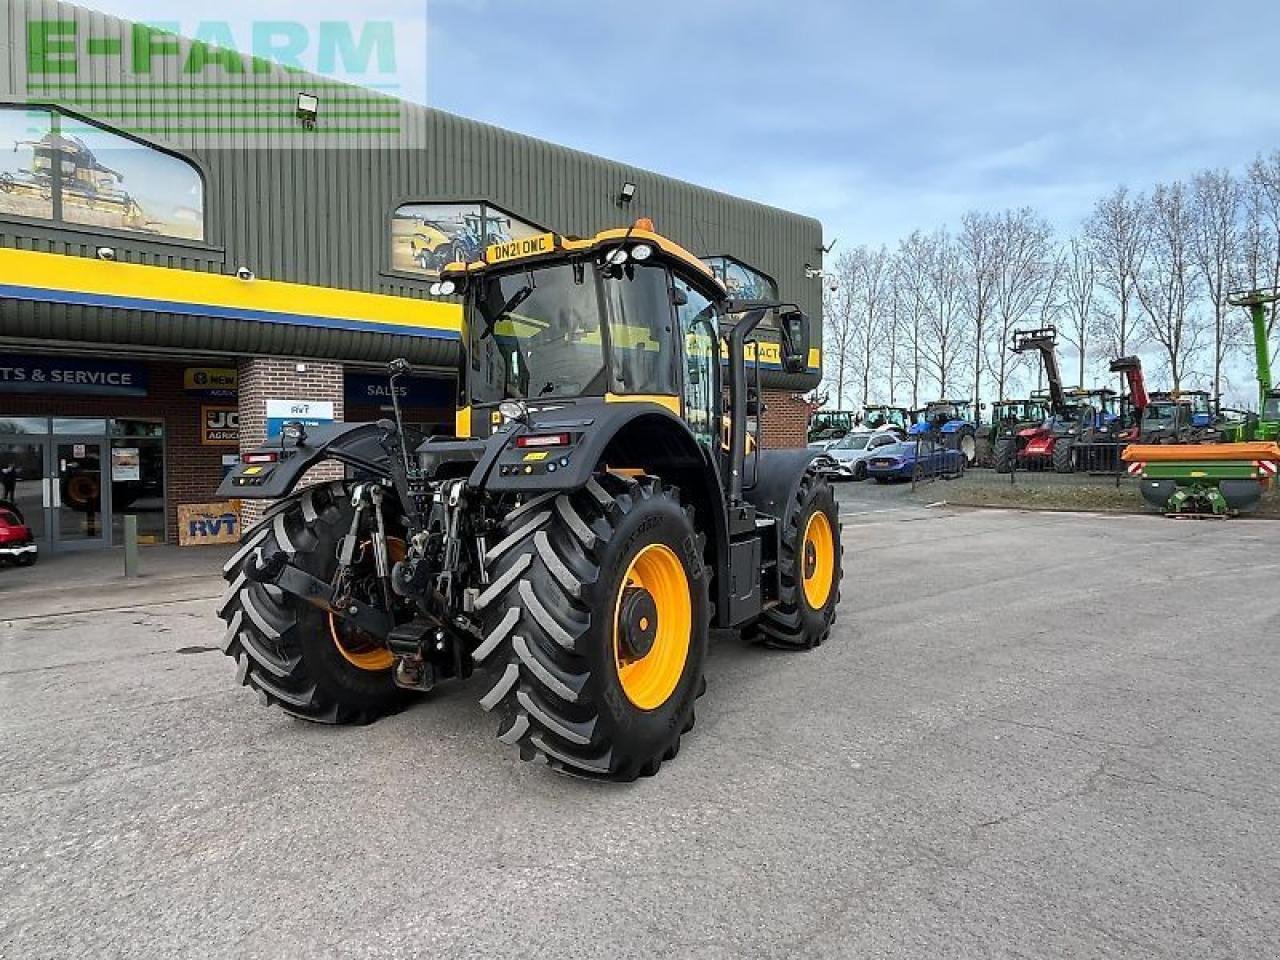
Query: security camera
{"points": [[245, 274], [106, 253]]}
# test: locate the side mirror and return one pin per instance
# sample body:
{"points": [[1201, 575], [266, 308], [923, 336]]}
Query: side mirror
{"points": [[679, 298], [795, 341]]}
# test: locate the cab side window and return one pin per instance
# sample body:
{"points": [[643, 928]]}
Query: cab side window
{"points": [[701, 340], [641, 331]]}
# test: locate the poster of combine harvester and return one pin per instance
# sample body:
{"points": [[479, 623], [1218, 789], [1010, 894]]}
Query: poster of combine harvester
{"points": [[54, 167]]}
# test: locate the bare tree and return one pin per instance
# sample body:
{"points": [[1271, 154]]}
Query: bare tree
{"points": [[1168, 283], [1215, 248], [1078, 298], [840, 319], [1117, 237], [911, 277], [1023, 266], [943, 343], [977, 252], [1260, 253], [875, 278]]}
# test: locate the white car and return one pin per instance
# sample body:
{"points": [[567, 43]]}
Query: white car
{"points": [[846, 459]]}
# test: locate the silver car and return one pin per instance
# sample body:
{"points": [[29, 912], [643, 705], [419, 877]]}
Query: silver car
{"points": [[846, 459]]}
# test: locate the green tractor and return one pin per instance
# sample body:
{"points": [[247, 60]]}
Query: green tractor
{"points": [[597, 514], [884, 417]]}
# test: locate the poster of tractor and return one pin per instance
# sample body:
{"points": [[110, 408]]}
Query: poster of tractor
{"points": [[426, 236]]}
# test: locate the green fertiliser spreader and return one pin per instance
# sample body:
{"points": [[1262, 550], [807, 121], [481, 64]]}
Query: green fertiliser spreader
{"points": [[1218, 479]]}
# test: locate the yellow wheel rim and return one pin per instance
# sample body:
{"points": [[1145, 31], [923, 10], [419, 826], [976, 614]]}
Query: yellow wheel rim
{"points": [[359, 650], [652, 621], [818, 559]]}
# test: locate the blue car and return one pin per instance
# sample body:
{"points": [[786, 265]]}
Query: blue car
{"points": [[922, 458]]}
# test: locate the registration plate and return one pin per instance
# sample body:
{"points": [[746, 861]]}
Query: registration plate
{"points": [[518, 249]]}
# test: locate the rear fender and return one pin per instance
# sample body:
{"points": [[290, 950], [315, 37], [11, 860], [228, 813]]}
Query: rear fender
{"points": [[778, 481], [359, 445]]}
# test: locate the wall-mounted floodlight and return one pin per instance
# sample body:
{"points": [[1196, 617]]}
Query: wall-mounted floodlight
{"points": [[627, 194], [308, 109]]}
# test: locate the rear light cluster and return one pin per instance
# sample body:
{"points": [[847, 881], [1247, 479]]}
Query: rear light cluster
{"points": [[269, 456], [539, 440]]}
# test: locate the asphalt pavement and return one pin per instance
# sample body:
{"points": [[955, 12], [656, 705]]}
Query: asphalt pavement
{"points": [[1030, 735]]}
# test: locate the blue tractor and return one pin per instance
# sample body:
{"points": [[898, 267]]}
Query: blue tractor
{"points": [[952, 422]]}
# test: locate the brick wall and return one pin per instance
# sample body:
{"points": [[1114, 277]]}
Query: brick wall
{"points": [[786, 420], [192, 472], [269, 378]]}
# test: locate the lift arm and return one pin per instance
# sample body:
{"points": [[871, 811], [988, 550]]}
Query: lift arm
{"points": [[1045, 340], [1256, 301], [1131, 367]]}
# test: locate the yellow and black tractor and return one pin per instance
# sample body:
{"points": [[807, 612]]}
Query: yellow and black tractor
{"points": [[598, 512]]}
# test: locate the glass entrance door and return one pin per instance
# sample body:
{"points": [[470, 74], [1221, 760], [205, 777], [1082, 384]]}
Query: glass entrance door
{"points": [[24, 482], [80, 499]]}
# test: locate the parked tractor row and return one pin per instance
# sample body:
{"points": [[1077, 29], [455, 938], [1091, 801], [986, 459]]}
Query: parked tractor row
{"points": [[1219, 462]]}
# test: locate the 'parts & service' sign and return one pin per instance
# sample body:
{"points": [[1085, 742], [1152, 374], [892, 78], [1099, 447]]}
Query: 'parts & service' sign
{"points": [[83, 376]]}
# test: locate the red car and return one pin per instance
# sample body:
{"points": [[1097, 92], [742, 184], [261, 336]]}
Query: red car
{"points": [[16, 543]]}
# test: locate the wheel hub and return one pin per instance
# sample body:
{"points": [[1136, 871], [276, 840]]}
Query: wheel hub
{"points": [[810, 559], [637, 623]]}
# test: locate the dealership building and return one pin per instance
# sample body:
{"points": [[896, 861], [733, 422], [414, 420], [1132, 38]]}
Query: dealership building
{"points": [[188, 258]]}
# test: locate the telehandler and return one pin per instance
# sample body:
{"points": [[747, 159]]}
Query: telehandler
{"points": [[597, 513]]}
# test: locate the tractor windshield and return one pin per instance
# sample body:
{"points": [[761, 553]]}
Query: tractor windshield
{"points": [[536, 335], [1160, 414]]}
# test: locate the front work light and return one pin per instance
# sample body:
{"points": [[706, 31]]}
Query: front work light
{"points": [[443, 288], [641, 252], [617, 257], [513, 410]]}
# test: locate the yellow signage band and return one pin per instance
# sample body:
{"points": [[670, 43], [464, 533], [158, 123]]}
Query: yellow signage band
{"points": [[51, 277]]}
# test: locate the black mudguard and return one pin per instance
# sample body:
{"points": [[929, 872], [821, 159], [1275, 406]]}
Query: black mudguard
{"points": [[778, 475], [591, 426], [357, 444]]}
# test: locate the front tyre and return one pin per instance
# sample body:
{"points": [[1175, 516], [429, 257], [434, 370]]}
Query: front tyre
{"points": [[595, 627], [297, 657], [811, 565]]}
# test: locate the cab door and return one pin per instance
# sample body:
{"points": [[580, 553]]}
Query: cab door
{"points": [[700, 340]]}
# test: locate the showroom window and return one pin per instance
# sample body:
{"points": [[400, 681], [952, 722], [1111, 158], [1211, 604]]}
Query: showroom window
{"points": [[68, 170], [426, 236]]}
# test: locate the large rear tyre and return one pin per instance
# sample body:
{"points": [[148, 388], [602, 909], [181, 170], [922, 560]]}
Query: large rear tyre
{"points": [[1005, 454], [811, 564], [292, 653], [595, 627], [1063, 457]]}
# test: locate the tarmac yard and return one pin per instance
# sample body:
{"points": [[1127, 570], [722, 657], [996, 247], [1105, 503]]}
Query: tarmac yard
{"points": [[1031, 735]]}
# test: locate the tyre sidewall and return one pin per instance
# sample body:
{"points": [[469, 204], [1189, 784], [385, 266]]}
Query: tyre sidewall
{"points": [[335, 676], [633, 731], [819, 498]]}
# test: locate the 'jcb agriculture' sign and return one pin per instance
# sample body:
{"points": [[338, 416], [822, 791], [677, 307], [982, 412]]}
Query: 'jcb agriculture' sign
{"points": [[516, 249], [219, 426]]}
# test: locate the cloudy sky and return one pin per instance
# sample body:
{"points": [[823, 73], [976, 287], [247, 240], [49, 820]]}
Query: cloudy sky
{"points": [[876, 117]]}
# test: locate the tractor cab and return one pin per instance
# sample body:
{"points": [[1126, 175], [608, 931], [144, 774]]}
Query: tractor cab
{"points": [[567, 331], [828, 426], [939, 413], [1269, 421], [885, 417]]}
